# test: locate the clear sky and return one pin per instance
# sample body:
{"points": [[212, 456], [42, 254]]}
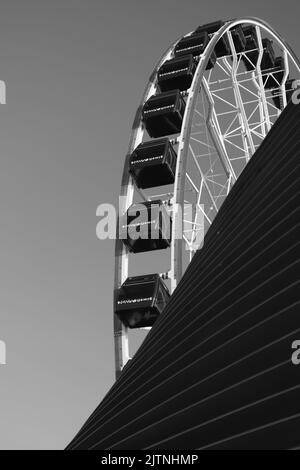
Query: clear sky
{"points": [[75, 71]]}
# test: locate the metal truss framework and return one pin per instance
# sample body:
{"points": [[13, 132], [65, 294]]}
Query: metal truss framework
{"points": [[228, 113]]}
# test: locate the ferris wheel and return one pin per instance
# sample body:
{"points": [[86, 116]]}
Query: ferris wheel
{"points": [[210, 102]]}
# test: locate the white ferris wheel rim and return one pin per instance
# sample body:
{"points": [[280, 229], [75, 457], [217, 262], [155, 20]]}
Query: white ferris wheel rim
{"points": [[127, 185]]}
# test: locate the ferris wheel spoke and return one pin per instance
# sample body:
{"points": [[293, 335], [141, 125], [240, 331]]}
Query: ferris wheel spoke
{"points": [[204, 179], [215, 132], [260, 80]]}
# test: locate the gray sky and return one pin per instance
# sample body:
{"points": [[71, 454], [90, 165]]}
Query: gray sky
{"points": [[75, 72]]}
